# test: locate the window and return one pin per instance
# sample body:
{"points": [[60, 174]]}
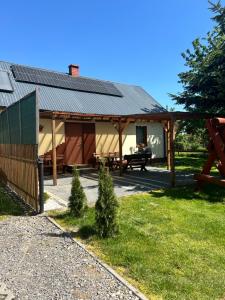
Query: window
{"points": [[141, 135], [5, 83]]}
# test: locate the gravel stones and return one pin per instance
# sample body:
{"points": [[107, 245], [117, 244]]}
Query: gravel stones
{"points": [[39, 261], [5, 294]]}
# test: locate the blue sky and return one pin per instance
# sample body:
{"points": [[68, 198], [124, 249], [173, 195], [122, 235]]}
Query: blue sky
{"points": [[128, 41]]}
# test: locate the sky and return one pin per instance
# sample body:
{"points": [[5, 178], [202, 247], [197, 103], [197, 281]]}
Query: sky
{"points": [[129, 41]]}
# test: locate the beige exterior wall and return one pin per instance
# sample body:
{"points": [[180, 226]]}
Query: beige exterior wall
{"points": [[107, 138], [45, 137]]}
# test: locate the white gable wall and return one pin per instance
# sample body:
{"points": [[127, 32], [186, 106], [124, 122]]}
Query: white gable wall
{"points": [[155, 138], [107, 138]]}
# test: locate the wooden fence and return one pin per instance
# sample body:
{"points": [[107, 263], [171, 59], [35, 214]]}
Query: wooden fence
{"points": [[18, 169]]}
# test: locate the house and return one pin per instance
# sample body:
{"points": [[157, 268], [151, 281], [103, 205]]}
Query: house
{"points": [[67, 118], [84, 110]]}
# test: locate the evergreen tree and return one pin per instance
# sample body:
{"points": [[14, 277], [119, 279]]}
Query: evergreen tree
{"points": [[106, 206], [203, 81], [77, 199]]}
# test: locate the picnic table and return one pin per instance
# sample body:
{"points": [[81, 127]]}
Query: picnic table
{"points": [[48, 165], [111, 160]]}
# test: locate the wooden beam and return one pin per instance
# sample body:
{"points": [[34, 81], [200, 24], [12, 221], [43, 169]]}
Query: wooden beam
{"points": [[210, 179], [162, 116], [54, 162], [126, 124], [123, 125], [120, 127], [120, 131]]}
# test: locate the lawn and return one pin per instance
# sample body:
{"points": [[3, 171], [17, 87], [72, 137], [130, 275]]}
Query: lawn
{"points": [[170, 245], [7, 205], [190, 162]]}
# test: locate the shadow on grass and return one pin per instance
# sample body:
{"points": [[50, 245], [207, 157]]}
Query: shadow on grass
{"points": [[85, 226], [210, 193], [85, 232], [190, 162]]}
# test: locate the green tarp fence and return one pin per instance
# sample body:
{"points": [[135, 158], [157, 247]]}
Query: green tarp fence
{"points": [[19, 123]]}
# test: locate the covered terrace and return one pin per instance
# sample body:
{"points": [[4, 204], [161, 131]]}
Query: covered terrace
{"points": [[120, 122]]}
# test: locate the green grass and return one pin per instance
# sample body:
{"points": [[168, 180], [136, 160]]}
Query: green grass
{"points": [[171, 242], [7, 205], [190, 162], [46, 197]]}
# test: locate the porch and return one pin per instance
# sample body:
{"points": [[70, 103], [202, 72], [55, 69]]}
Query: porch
{"points": [[132, 182], [120, 124]]}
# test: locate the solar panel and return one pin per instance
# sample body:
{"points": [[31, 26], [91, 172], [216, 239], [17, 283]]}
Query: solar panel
{"points": [[5, 83], [43, 77]]}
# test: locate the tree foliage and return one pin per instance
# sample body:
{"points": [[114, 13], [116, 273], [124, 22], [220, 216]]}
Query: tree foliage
{"points": [[204, 80], [191, 141], [77, 199], [106, 206]]}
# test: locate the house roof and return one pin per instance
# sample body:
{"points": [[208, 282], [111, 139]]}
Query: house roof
{"points": [[134, 100]]}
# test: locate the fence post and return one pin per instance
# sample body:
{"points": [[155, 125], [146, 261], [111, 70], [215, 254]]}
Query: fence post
{"points": [[41, 184]]}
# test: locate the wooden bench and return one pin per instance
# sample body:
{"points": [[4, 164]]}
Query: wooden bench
{"points": [[136, 161]]}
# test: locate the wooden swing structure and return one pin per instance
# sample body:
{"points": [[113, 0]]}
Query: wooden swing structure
{"points": [[216, 152]]}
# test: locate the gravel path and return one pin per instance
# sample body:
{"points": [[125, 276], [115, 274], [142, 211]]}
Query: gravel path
{"points": [[39, 261]]}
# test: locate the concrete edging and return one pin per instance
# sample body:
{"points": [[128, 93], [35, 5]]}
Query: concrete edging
{"points": [[135, 291]]}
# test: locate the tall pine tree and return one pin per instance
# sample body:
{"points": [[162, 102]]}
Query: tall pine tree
{"points": [[203, 82]]}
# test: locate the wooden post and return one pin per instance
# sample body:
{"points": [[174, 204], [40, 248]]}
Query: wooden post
{"points": [[168, 144], [120, 129], [54, 162], [120, 146], [171, 152]]}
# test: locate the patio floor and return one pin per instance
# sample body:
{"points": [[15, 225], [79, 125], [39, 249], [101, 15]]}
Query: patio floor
{"points": [[132, 182]]}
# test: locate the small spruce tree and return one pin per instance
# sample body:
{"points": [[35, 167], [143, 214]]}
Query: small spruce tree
{"points": [[106, 206], [77, 199]]}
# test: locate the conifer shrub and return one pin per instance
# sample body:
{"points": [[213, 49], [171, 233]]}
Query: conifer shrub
{"points": [[106, 206], [77, 199]]}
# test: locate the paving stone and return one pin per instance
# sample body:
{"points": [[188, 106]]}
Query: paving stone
{"points": [[132, 182]]}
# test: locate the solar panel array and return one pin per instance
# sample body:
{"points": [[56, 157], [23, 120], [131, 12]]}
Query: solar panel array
{"points": [[53, 79]]}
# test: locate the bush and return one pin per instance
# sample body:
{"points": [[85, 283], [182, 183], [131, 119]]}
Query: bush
{"points": [[188, 142], [77, 199], [106, 206], [194, 147]]}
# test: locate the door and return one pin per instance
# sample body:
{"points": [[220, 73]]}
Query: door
{"points": [[88, 142], [79, 143], [73, 141]]}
